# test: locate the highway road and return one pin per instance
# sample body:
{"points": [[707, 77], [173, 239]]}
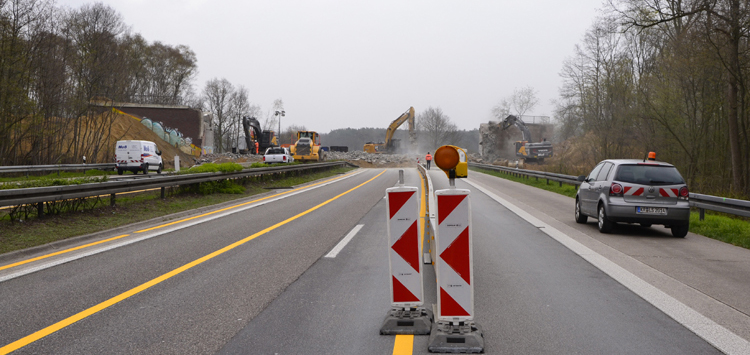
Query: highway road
{"points": [[252, 277]]}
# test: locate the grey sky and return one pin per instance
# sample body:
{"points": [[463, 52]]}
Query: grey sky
{"points": [[339, 64]]}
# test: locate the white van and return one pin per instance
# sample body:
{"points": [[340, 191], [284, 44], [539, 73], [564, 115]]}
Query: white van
{"points": [[137, 156]]}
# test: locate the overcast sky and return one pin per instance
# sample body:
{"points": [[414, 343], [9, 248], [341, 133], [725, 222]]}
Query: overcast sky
{"points": [[339, 64]]}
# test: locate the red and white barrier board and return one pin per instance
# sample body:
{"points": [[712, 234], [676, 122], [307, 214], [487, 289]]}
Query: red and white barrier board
{"points": [[454, 262], [404, 254]]}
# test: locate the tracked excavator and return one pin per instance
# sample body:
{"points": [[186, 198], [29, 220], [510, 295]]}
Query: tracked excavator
{"points": [[391, 145], [265, 139], [530, 152], [307, 147]]}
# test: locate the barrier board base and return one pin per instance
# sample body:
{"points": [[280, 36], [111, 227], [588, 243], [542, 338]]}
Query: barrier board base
{"points": [[461, 338], [414, 320]]}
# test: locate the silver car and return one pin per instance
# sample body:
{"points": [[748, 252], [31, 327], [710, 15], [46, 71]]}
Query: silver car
{"points": [[634, 191]]}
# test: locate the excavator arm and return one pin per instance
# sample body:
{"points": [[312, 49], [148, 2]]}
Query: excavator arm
{"points": [[406, 116], [513, 120]]}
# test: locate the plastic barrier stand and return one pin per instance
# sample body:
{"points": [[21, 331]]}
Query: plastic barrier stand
{"points": [[404, 254], [454, 264]]}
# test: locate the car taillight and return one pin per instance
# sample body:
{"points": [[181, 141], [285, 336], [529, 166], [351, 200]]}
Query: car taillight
{"points": [[264, 158], [283, 158], [615, 190], [684, 193]]}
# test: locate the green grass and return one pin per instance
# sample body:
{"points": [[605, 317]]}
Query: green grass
{"points": [[16, 235], [724, 228], [728, 229]]}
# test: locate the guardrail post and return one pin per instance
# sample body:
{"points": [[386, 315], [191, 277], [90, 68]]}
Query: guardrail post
{"points": [[702, 213], [162, 192], [40, 209], [111, 199]]}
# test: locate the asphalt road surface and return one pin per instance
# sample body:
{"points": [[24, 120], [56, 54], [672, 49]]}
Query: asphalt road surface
{"points": [[251, 277]]}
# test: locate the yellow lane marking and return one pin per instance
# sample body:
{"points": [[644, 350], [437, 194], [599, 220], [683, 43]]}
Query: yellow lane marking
{"points": [[403, 345], [240, 205], [422, 210], [62, 252], [123, 296], [161, 226]]}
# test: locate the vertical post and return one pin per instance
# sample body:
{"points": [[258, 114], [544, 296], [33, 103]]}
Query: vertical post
{"points": [[454, 330], [162, 192], [702, 213], [112, 199], [40, 209], [176, 163], [406, 314]]}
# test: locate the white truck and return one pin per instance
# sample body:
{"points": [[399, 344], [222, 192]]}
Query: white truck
{"points": [[137, 156], [277, 155]]}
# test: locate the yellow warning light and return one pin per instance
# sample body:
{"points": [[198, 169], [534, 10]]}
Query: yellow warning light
{"points": [[450, 157], [652, 156]]}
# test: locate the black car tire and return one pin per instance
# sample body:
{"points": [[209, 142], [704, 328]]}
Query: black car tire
{"points": [[605, 225], [158, 171], [145, 169], [680, 231], [119, 171], [580, 217]]}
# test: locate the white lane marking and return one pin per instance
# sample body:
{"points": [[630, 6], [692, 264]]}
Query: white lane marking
{"points": [[712, 332], [340, 246], [158, 232]]}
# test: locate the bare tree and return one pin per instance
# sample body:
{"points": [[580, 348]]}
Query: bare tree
{"points": [[217, 95], [437, 127], [523, 100]]}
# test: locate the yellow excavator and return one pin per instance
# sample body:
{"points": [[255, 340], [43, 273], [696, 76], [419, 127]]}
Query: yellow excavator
{"points": [[307, 147], [391, 145]]}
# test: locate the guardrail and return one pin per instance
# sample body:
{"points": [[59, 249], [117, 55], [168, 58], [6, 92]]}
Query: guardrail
{"points": [[699, 201], [39, 195], [37, 168]]}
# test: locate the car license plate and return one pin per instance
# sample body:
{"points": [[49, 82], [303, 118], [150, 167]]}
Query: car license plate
{"points": [[651, 210]]}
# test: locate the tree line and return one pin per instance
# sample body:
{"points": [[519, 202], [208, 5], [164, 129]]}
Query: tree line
{"points": [[669, 76], [55, 61]]}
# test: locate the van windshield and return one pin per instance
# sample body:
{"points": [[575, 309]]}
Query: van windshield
{"points": [[649, 174]]}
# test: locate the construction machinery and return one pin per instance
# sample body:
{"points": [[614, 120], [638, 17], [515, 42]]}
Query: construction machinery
{"points": [[391, 145], [307, 147], [530, 152], [266, 139]]}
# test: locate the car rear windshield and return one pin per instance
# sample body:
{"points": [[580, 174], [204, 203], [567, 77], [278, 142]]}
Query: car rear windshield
{"points": [[276, 151], [645, 174]]}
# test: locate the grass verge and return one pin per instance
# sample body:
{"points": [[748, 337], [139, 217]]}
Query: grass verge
{"points": [[728, 229], [17, 235]]}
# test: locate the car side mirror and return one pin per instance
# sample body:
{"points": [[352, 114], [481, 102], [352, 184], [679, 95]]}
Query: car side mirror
{"points": [[581, 178], [158, 152]]}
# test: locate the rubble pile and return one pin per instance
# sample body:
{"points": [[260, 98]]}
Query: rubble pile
{"points": [[368, 160]]}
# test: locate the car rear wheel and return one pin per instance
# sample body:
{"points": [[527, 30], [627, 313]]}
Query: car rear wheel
{"points": [[580, 217], [605, 225], [680, 231], [158, 171], [145, 168]]}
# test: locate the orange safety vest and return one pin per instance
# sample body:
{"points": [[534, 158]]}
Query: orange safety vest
{"points": [[256, 147], [428, 157]]}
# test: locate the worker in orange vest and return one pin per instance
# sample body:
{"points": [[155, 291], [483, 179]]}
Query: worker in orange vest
{"points": [[257, 146], [428, 158]]}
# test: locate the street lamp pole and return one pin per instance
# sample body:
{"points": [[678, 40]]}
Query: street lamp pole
{"points": [[280, 114]]}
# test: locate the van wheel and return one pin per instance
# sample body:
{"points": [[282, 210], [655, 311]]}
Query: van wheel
{"points": [[119, 171], [145, 169], [605, 225], [158, 171]]}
